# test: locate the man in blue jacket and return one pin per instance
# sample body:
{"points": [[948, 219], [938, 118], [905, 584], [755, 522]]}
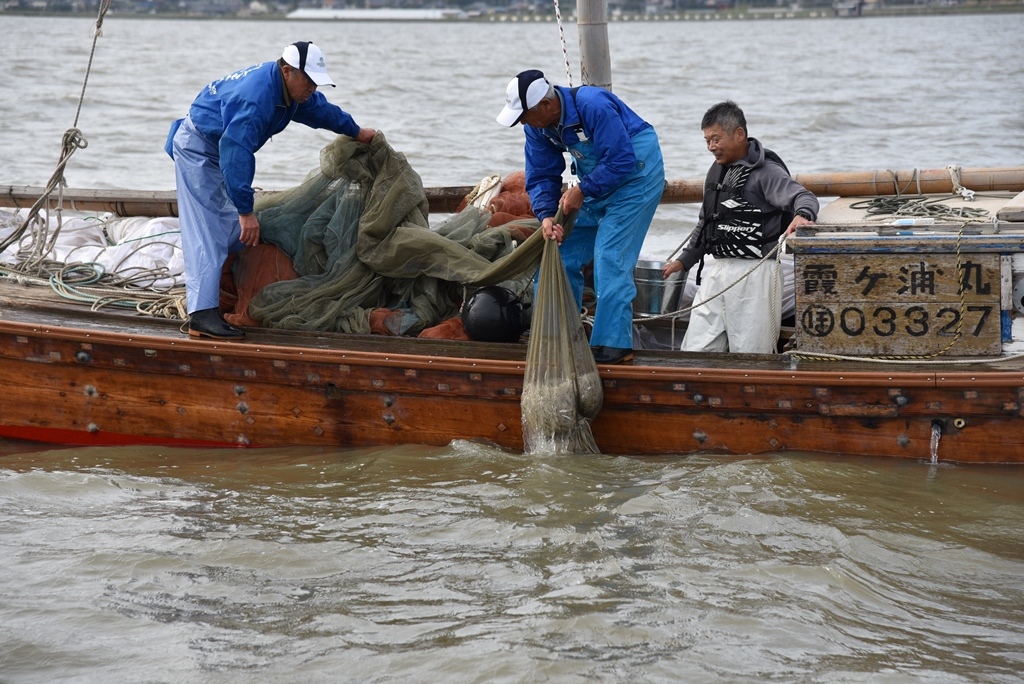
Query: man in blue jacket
{"points": [[214, 151], [617, 158]]}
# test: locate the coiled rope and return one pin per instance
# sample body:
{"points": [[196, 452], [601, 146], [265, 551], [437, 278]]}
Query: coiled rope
{"points": [[84, 282], [921, 206], [487, 184], [72, 140]]}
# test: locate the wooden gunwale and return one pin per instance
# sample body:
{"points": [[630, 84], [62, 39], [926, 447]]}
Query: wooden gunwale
{"points": [[244, 350], [165, 202], [73, 323], [973, 380], [638, 371], [1004, 242]]}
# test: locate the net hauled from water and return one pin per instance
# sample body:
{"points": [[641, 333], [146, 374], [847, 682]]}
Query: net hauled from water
{"points": [[561, 387]]}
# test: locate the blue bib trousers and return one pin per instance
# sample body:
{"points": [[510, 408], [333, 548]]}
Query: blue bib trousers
{"points": [[610, 231], [209, 221]]}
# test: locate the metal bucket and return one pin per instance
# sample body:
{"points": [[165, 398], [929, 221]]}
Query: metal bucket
{"points": [[650, 288]]}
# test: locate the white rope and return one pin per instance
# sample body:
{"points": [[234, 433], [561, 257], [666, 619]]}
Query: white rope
{"points": [[901, 362], [73, 139], [776, 294], [561, 35], [35, 268], [674, 314], [958, 187], [484, 191]]}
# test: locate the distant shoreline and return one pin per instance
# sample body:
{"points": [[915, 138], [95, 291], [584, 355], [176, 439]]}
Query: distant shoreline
{"points": [[745, 14]]}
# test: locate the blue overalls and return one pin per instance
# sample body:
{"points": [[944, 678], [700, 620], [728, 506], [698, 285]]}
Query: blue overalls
{"points": [[214, 149], [209, 220], [611, 226]]}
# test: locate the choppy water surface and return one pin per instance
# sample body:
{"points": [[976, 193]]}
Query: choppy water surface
{"points": [[827, 94], [468, 563]]}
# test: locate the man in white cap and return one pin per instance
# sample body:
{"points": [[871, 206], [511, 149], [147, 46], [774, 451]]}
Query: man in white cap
{"points": [[617, 158], [214, 151]]}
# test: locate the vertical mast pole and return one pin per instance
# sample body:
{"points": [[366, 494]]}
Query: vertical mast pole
{"points": [[595, 57]]}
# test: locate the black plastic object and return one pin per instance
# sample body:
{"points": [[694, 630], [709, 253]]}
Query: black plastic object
{"points": [[493, 314]]}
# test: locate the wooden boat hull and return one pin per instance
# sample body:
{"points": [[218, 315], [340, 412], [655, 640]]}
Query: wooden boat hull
{"points": [[114, 380], [76, 377]]}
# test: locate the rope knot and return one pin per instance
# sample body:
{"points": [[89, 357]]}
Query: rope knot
{"points": [[958, 188], [73, 139]]}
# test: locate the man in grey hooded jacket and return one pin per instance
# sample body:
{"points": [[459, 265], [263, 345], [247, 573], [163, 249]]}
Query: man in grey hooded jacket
{"points": [[749, 201]]}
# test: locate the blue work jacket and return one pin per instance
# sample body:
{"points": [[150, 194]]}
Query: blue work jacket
{"points": [[596, 128], [240, 112]]}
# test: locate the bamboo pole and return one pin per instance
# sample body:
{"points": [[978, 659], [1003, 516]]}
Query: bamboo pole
{"points": [[680, 191], [165, 202], [875, 183]]}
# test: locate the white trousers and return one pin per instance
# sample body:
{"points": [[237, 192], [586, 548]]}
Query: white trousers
{"points": [[747, 318]]}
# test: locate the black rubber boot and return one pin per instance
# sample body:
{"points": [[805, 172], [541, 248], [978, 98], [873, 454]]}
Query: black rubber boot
{"points": [[611, 354], [209, 323]]}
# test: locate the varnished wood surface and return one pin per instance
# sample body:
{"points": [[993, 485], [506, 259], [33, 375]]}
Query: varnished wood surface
{"points": [[74, 376], [41, 307], [1012, 210], [165, 202]]}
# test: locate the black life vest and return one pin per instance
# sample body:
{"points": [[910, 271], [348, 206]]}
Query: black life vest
{"points": [[733, 227]]}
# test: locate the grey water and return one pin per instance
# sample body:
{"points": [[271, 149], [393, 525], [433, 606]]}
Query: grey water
{"points": [[467, 563], [472, 564], [826, 94]]}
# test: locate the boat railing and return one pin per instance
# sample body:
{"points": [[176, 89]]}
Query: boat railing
{"points": [[677, 191]]}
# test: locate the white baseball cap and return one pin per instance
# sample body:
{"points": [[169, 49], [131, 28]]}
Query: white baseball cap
{"points": [[524, 92], [309, 59]]}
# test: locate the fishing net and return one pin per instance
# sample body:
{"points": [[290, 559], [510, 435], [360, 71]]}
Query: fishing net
{"points": [[357, 230], [358, 234], [561, 388]]}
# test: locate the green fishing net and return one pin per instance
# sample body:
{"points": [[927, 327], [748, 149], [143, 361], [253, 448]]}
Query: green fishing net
{"points": [[561, 388], [357, 230], [358, 234]]}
